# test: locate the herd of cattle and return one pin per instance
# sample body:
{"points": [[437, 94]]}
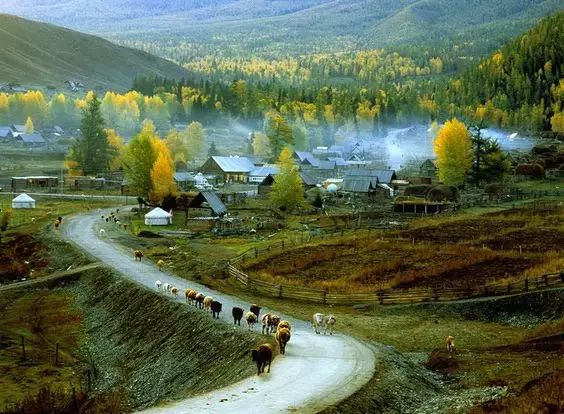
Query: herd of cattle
{"points": [[271, 323]]}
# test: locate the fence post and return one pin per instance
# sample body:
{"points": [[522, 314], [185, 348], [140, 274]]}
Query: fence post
{"points": [[280, 291], [562, 276], [526, 285], [57, 354], [324, 297], [545, 278], [23, 348], [380, 296], [508, 287], [282, 244], [256, 252]]}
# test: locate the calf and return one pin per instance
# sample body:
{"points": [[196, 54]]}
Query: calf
{"points": [[266, 322], [199, 300], [138, 255], [318, 321], [216, 308], [237, 315], [158, 285], [283, 336], [251, 319], [262, 356], [450, 344], [329, 323], [274, 321], [207, 303], [174, 291]]}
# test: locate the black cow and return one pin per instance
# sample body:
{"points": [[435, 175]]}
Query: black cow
{"points": [[262, 356], [216, 308], [237, 315], [256, 310]]}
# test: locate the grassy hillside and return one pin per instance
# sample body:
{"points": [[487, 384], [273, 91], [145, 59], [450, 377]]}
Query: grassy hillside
{"points": [[39, 54], [243, 27]]}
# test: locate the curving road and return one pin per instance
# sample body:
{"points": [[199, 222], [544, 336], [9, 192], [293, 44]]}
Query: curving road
{"points": [[316, 372]]}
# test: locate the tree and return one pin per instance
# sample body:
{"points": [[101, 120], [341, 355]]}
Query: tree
{"points": [[278, 132], [177, 145], [287, 189], [29, 129], [213, 151], [195, 138], [91, 152], [261, 144], [116, 148], [162, 176], [453, 150], [139, 158]]}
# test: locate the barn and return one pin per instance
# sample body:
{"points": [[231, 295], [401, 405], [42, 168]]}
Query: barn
{"points": [[23, 201], [158, 217]]}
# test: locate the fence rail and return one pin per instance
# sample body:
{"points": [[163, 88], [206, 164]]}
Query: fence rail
{"points": [[394, 296]]}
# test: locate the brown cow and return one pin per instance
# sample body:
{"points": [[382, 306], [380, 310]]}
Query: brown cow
{"points": [[262, 356], [283, 336], [138, 255]]}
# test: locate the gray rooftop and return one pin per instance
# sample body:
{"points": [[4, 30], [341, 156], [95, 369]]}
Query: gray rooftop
{"points": [[31, 138], [210, 197], [358, 184], [380, 176], [5, 131], [234, 164]]}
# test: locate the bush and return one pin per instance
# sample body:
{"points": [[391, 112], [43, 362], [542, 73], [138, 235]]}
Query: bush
{"points": [[530, 170], [5, 220], [443, 193], [417, 190]]}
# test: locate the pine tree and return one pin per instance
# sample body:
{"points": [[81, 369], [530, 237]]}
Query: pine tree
{"points": [[213, 151], [92, 152]]}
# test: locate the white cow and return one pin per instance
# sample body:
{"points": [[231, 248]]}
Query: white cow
{"points": [[102, 232], [327, 322], [158, 285]]}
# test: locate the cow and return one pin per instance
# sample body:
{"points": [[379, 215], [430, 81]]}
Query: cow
{"points": [[450, 344], [216, 308], [138, 255], [255, 309], [262, 356], [200, 300], [283, 336], [237, 315], [251, 319], [207, 303]]}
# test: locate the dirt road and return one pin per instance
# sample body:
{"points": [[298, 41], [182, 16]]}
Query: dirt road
{"points": [[316, 372]]}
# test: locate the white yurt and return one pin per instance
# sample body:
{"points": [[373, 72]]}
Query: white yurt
{"points": [[158, 217], [23, 201]]}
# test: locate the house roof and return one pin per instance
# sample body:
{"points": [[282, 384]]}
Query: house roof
{"points": [[303, 155], [380, 176], [212, 199], [5, 131], [234, 164], [308, 179], [264, 171], [357, 184], [157, 212], [18, 128], [339, 162], [31, 138], [429, 163], [183, 177], [24, 198], [326, 165]]}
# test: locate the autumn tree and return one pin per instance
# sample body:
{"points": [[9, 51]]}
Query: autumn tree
{"points": [[162, 176], [195, 139], [29, 128], [287, 189], [91, 152], [279, 133], [260, 144], [115, 143], [453, 149], [177, 145], [139, 158]]}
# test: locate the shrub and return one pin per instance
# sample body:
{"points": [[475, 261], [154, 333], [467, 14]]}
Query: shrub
{"points": [[443, 193], [5, 220], [530, 170]]}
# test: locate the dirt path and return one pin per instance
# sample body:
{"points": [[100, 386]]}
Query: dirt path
{"points": [[316, 372]]}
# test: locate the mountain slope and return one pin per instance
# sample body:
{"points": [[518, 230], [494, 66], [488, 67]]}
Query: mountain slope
{"points": [[39, 54], [240, 27]]}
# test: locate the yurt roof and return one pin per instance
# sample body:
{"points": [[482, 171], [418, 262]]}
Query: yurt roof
{"points": [[157, 212], [23, 197]]}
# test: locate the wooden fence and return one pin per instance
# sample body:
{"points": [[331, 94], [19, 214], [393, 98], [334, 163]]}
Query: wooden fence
{"points": [[393, 296]]}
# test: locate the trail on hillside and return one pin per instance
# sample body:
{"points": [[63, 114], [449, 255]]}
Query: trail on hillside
{"points": [[316, 372]]}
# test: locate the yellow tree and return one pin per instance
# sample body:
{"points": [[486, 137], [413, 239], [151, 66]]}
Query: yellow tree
{"points": [[162, 175], [557, 122], [261, 144], [177, 145], [195, 138], [29, 128], [453, 149], [115, 143], [287, 189]]}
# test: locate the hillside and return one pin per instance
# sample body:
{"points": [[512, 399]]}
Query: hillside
{"points": [[43, 55], [270, 28]]}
